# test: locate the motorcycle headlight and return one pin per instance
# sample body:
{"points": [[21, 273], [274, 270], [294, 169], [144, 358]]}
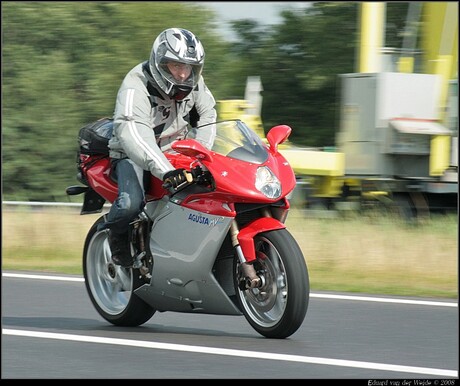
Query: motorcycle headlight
{"points": [[267, 183]]}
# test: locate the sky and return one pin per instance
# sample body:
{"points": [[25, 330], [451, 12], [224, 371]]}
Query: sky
{"points": [[264, 12]]}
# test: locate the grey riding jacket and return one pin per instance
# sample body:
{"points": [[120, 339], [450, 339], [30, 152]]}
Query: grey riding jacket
{"points": [[147, 121]]}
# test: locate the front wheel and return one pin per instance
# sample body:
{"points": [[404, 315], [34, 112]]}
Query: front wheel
{"points": [[111, 287], [278, 307]]}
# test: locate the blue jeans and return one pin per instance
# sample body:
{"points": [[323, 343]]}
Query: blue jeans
{"points": [[131, 198]]}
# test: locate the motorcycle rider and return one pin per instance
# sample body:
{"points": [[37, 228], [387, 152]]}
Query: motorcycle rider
{"points": [[156, 102]]}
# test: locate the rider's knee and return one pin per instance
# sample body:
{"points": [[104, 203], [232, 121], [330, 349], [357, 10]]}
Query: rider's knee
{"points": [[129, 204]]}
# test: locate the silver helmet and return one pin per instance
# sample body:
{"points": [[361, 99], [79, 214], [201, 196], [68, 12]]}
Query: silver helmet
{"points": [[176, 47]]}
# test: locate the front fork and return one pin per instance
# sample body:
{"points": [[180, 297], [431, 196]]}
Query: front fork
{"points": [[250, 278], [243, 242]]}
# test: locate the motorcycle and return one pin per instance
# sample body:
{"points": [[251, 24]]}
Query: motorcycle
{"points": [[216, 245]]}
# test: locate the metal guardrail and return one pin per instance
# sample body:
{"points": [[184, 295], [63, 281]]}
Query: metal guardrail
{"points": [[39, 204], [30, 203]]}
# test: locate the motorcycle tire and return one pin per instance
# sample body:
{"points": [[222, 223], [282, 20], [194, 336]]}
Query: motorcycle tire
{"points": [[277, 308], [111, 287]]}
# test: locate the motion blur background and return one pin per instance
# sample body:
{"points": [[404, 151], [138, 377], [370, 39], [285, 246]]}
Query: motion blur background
{"points": [[62, 64]]}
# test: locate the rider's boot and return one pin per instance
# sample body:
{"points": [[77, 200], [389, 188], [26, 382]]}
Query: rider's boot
{"points": [[120, 248]]}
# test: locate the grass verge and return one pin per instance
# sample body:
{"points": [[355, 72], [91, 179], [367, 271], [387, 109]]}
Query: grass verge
{"points": [[368, 253]]}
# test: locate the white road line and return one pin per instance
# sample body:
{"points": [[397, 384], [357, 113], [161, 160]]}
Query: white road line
{"points": [[42, 277], [385, 300], [313, 295], [235, 353]]}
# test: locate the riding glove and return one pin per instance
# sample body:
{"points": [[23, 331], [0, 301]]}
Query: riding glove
{"points": [[177, 177]]}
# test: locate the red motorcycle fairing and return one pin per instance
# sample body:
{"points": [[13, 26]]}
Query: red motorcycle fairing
{"points": [[98, 177], [234, 178], [246, 235]]}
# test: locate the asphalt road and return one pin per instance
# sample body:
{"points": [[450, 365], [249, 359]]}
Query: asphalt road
{"points": [[50, 330]]}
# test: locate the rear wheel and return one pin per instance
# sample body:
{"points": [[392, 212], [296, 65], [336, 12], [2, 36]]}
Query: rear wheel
{"points": [[278, 307], [111, 287]]}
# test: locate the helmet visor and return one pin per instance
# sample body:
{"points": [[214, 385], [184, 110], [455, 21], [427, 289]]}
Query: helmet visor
{"points": [[180, 74]]}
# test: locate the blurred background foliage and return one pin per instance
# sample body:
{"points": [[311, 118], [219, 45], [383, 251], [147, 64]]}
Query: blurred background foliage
{"points": [[62, 64]]}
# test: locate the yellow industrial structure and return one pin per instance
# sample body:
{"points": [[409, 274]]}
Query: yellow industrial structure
{"points": [[398, 135]]}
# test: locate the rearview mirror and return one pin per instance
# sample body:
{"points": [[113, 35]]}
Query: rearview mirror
{"points": [[277, 135]]}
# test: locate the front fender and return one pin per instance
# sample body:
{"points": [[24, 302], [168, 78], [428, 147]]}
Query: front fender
{"points": [[246, 235]]}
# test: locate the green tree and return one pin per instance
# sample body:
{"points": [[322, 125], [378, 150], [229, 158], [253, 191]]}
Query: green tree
{"points": [[62, 65], [306, 53]]}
